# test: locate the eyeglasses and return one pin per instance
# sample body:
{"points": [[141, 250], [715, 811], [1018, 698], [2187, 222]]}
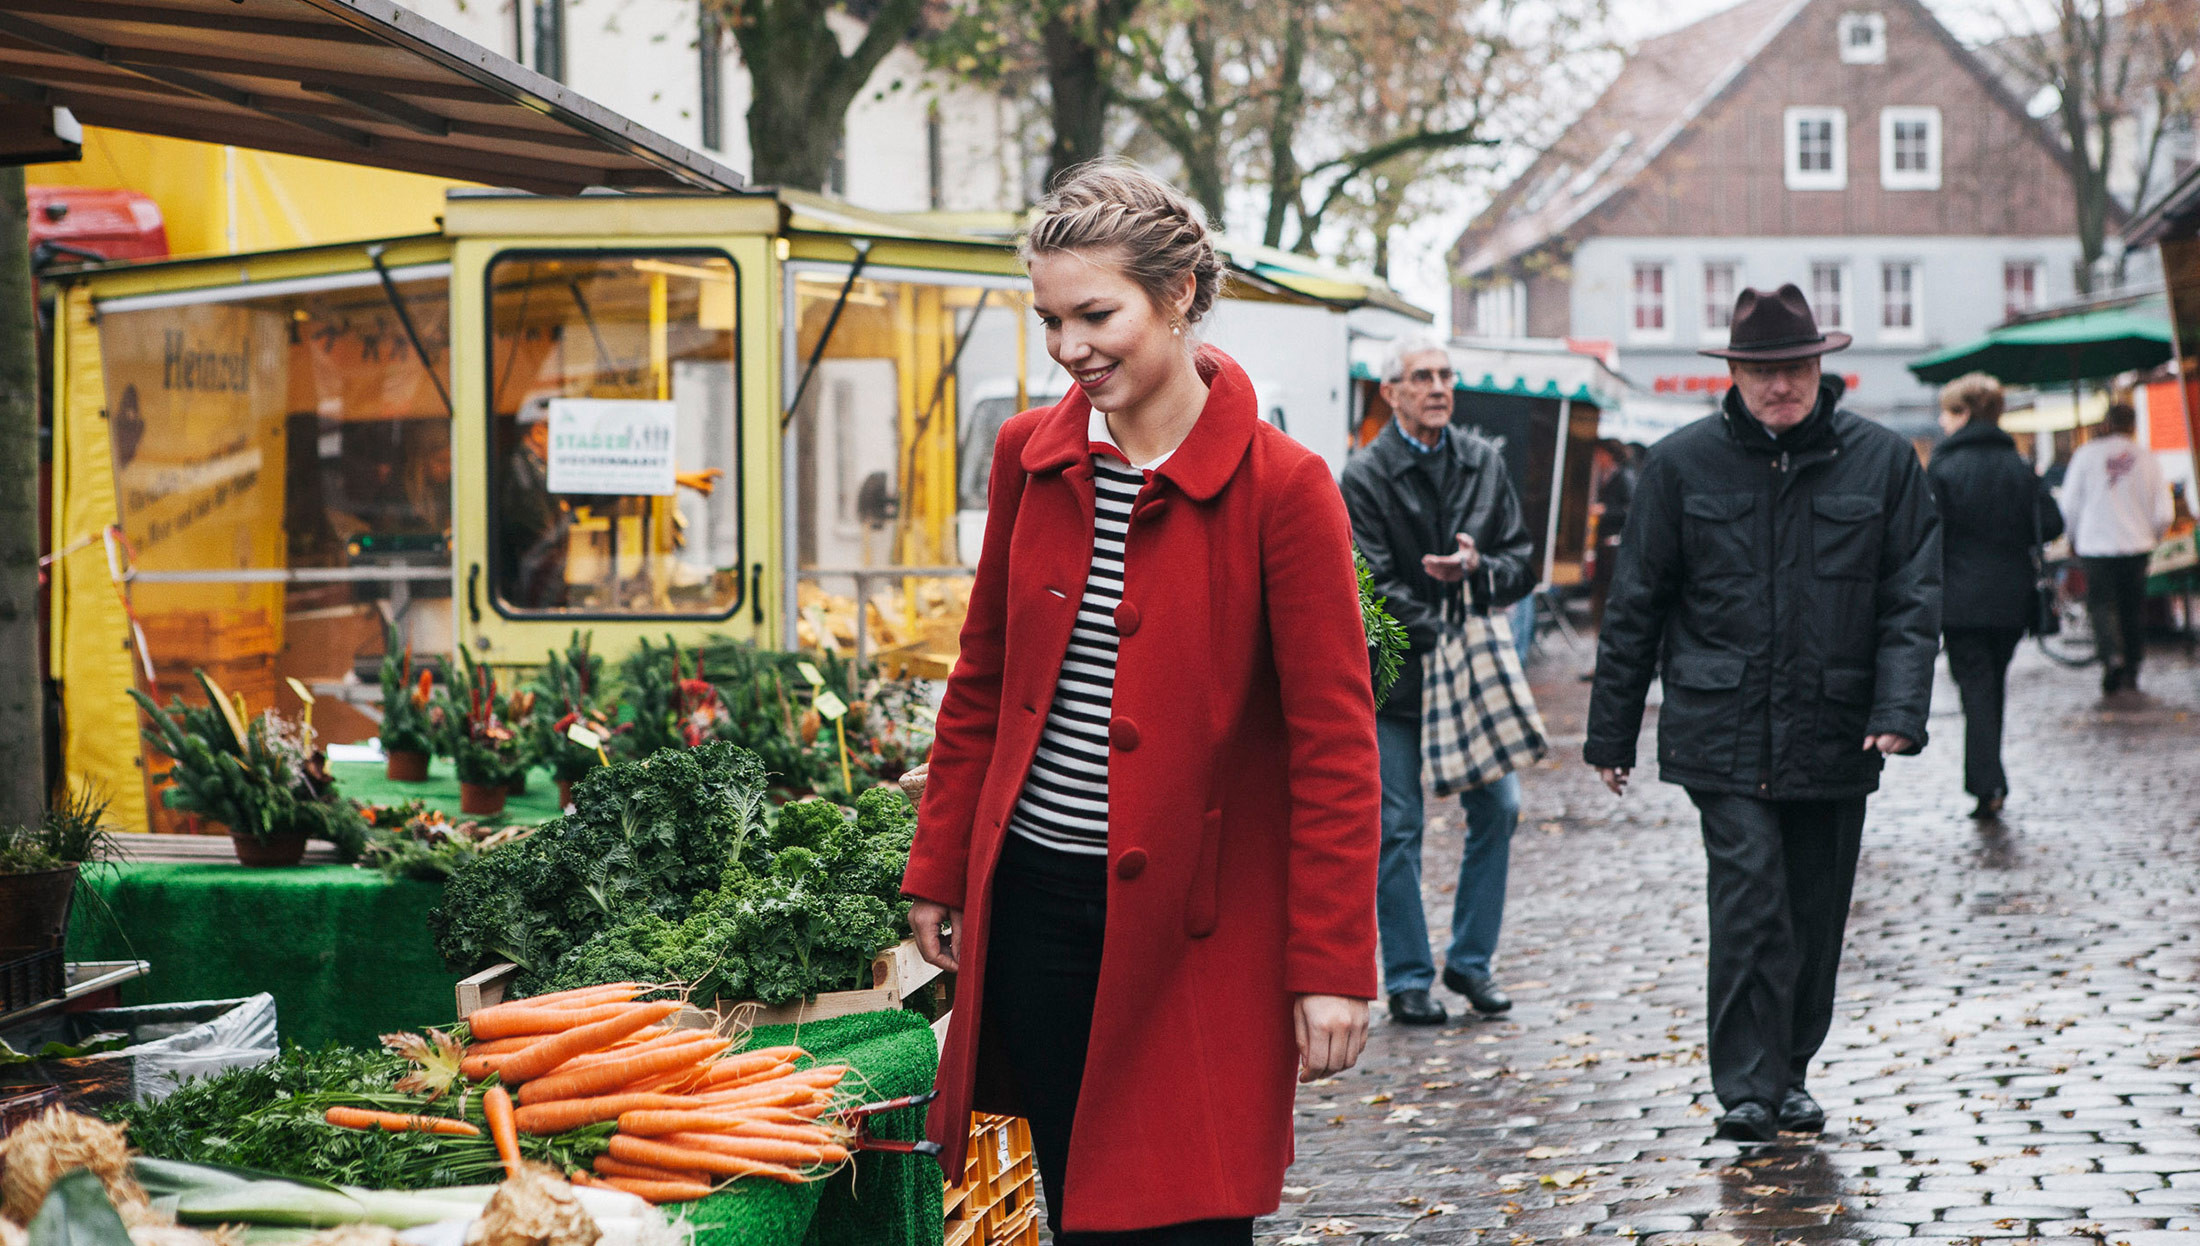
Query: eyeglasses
{"points": [[1432, 376]]}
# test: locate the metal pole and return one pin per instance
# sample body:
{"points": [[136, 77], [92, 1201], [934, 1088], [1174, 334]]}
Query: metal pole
{"points": [[1558, 486]]}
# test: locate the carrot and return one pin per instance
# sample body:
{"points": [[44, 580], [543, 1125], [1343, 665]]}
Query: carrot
{"points": [[713, 1082], [477, 1068], [398, 1122], [564, 1114], [508, 1020], [742, 1064], [579, 994], [621, 1051], [651, 1122], [778, 1094], [802, 1153], [499, 1046], [497, 1107], [612, 1075], [779, 1053], [560, 1047], [660, 1191], [680, 1081], [613, 1166], [644, 1151], [732, 1135]]}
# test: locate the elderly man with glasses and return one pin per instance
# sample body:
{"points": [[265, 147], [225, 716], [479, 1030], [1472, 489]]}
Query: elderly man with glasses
{"points": [[1437, 518]]}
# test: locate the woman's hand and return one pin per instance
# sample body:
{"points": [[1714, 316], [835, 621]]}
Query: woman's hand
{"points": [[926, 919], [1332, 1032]]}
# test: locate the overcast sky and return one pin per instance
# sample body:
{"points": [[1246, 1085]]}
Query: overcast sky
{"points": [[1417, 266]]}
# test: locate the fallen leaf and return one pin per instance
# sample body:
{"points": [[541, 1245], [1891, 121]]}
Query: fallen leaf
{"points": [[1537, 986], [1372, 1100], [1410, 1200], [1443, 1209], [1563, 1178], [1697, 1109], [1333, 1228], [1550, 1152], [1569, 1200], [1764, 1191], [1510, 1209], [1577, 1040], [1298, 1191], [1826, 1209], [1438, 1085]]}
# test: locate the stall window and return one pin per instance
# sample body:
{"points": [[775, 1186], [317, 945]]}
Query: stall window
{"points": [[894, 443], [282, 473], [615, 483]]}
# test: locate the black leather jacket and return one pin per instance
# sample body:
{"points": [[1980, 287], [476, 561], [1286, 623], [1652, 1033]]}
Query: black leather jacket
{"points": [[1789, 589], [1993, 510], [1397, 516]]}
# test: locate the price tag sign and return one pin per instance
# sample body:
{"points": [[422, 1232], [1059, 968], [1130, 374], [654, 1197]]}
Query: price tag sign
{"points": [[810, 674], [304, 694], [829, 706], [580, 734], [928, 714]]}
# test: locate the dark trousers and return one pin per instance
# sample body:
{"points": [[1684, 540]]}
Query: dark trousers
{"points": [[1780, 876], [1050, 912], [1978, 658], [2115, 596]]}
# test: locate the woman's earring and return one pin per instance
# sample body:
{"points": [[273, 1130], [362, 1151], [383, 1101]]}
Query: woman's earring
{"points": [[1176, 326]]}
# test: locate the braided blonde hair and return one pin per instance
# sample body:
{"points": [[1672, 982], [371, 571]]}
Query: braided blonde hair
{"points": [[1115, 204]]}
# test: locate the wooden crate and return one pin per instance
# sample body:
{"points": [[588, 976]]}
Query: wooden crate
{"points": [[897, 974]]}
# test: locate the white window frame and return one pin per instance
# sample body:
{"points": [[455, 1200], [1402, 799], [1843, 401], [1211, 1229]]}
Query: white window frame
{"points": [[1847, 299], [1892, 178], [1915, 330], [1873, 52], [1836, 178], [1720, 332], [2039, 285], [1635, 333]]}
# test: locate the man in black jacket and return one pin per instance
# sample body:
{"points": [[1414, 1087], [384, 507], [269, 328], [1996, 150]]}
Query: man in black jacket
{"points": [[1435, 514], [1781, 567]]}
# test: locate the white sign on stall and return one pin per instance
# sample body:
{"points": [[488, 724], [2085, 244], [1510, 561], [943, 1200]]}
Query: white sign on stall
{"points": [[611, 445]]}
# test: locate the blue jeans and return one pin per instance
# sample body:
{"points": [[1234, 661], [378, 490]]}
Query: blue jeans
{"points": [[1479, 907], [1523, 625]]}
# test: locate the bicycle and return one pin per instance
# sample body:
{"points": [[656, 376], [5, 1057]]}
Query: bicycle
{"points": [[2072, 644]]}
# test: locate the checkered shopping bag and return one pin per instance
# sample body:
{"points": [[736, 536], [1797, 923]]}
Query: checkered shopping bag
{"points": [[1478, 718]]}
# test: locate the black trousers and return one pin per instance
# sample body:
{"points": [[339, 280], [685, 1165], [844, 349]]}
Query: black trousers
{"points": [[1050, 912], [1978, 658], [1781, 872], [2115, 597]]}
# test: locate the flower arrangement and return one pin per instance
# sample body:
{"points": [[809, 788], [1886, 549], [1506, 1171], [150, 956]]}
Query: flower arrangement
{"points": [[569, 692], [483, 727]]}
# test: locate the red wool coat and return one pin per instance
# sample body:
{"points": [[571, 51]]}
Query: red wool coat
{"points": [[1243, 804]]}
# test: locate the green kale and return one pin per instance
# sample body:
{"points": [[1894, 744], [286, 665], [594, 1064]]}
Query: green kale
{"points": [[817, 825], [645, 839]]}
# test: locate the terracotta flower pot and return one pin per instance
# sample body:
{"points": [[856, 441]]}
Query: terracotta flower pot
{"points": [[404, 765], [481, 799], [288, 848], [34, 910]]}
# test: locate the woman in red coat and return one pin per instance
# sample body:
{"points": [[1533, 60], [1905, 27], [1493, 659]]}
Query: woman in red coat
{"points": [[1147, 844]]}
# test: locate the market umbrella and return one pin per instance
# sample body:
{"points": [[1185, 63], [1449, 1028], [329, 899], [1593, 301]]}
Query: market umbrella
{"points": [[2062, 350]]}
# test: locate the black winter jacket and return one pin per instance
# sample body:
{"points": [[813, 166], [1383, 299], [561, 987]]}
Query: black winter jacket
{"points": [[1790, 590], [1987, 531], [1398, 515]]}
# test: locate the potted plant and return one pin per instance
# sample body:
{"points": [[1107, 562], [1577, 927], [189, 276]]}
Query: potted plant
{"points": [[568, 694], [408, 710], [39, 867], [486, 748], [264, 780]]}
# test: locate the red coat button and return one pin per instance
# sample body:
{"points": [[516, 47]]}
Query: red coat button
{"points": [[1126, 619], [1123, 734], [1131, 864]]}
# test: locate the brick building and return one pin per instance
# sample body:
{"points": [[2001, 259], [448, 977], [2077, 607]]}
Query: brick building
{"points": [[1852, 147]]}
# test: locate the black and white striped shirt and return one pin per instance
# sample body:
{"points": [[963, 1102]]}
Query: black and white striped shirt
{"points": [[1064, 805]]}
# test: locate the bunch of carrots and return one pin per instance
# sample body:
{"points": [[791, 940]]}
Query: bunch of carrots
{"points": [[691, 1114]]}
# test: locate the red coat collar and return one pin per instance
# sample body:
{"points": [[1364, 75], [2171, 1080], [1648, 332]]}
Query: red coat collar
{"points": [[1200, 467]]}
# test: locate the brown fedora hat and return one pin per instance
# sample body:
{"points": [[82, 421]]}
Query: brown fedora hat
{"points": [[1775, 327]]}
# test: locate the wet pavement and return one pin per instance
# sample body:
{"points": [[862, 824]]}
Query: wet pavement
{"points": [[2014, 1057]]}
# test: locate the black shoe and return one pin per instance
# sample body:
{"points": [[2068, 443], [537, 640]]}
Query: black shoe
{"points": [[1989, 806], [1750, 1121], [1416, 1008], [2112, 678], [1479, 990], [1800, 1114]]}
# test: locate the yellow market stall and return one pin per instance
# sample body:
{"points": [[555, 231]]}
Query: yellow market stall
{"points": [[642, 416]]}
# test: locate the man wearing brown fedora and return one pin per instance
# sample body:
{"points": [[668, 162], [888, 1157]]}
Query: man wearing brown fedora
{"points": [[1781, 568]]}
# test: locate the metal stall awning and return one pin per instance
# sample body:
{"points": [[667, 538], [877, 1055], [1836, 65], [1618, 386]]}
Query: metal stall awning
{"points": [[360, 81]]}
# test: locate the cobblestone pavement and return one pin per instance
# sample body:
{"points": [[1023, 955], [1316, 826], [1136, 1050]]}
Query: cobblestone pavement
{"points": [[2015, 1054]]}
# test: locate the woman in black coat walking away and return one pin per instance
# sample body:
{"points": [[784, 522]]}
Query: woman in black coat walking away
{"points": [[1993, 510]]}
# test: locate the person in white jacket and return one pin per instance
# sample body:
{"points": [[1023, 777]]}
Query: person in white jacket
{"points": [[2116, 507]]}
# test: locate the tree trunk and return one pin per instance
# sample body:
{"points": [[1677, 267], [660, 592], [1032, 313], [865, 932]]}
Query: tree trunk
{"points": [[22, 698], [802, 83], [1284, 176], [1078, 85]]}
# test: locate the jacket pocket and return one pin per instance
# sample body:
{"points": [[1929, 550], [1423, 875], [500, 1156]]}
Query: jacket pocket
{"points": [[1700, 724], [1717, 533], [1844, 712], [1202, 906], [1845, 535]]}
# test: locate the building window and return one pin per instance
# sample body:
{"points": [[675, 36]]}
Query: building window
{"points": [[1501, 309], [1863, 38], [1649, 320], [1909, 148], [2020, 287], [1898, 301], [1718, 297], [711, 85], [1817, 149], [1829, 295], [550, 39]]}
